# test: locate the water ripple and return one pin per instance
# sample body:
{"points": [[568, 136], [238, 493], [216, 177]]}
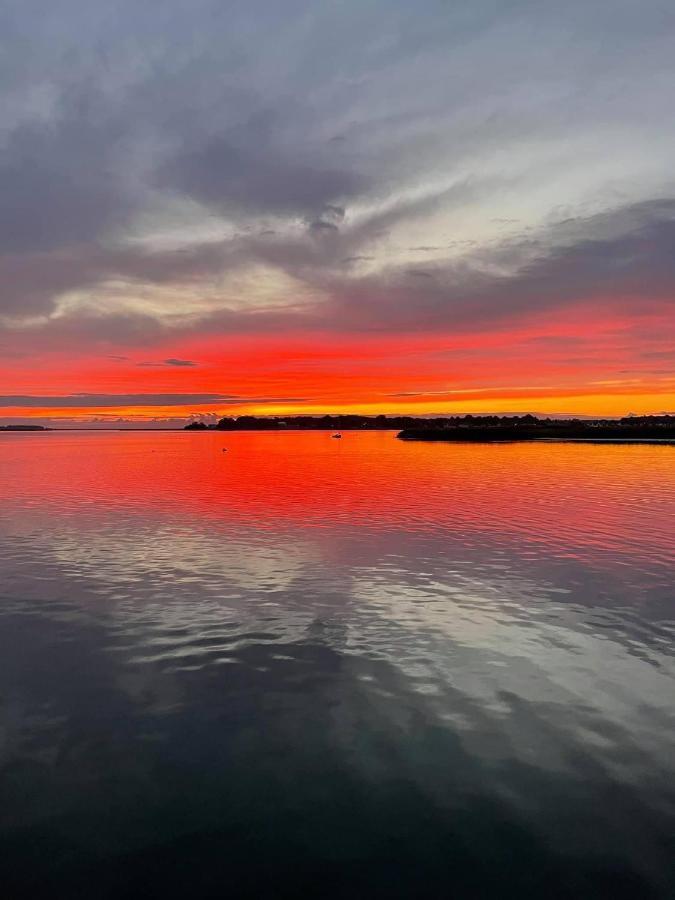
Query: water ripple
{"points": [[360, 658]]}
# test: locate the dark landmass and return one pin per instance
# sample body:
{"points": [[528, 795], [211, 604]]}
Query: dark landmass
{"points": [[309, 423], [529, 428], [462, 428], [24, 428]]}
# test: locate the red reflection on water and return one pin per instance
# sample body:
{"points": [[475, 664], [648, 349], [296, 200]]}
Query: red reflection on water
{"points": [[602, 496]]}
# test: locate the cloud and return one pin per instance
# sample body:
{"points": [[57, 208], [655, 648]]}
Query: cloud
{"points": [[624, 258], [247, 173], [422, 393], [179, 362], [170, 362], [58, 179], [336, 213], [95, 401], [142, 175], [320, 227]]}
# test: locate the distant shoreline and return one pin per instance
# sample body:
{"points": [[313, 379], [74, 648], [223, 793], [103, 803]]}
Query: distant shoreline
{"points": [[658, 429], [456, 428], [592, 433]]}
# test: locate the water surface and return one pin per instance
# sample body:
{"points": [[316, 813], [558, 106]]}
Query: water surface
{"points": [[357, 668]]}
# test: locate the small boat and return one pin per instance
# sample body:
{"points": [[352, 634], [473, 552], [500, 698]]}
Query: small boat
{"points": [[338, 435]]}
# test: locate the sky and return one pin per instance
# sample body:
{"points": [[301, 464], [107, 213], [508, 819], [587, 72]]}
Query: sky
{"points": [[215, 208]]}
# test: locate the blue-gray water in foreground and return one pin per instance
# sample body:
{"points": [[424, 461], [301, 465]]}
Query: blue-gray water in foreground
{"points": [[335, 669]]}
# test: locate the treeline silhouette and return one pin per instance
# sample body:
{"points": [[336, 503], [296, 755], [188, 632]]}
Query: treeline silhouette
{"points": [[343, 422], [434, 424]]}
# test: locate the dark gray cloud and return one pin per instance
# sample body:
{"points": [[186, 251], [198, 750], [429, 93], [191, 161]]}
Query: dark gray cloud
{"points": [[319, 227], [179, 363], [257, 178], [93, 401], [336, 213], [58, 179]]}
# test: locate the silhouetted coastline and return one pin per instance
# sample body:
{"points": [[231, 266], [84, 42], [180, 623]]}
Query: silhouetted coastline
{"points": [[529, 428], [308, 423], [462, 428], [24, 428]]}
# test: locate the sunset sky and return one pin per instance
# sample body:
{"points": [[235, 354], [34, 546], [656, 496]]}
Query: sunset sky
{"points": [[285, 206]]}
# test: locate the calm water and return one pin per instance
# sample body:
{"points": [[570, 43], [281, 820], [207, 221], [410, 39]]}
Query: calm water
{"points": [[317, 668]]}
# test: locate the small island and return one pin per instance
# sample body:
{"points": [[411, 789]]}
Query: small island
{"points": [[24, 428], [656, 429]]}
